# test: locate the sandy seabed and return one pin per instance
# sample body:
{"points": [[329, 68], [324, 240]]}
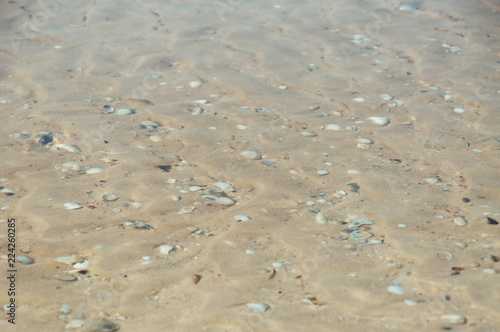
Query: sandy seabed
{"points": [[375, 124]]}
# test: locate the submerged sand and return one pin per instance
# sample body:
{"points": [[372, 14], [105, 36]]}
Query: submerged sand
{"points": [[273, 76]]}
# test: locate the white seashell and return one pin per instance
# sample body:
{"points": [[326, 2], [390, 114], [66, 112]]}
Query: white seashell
{"points": [[165, 249], [25, 260], [490, 271], [175, 197], [197, 111], [64, 259], [110, 197], [188, 209], [72, 206], [455, 49], [365, 140], [359, 99], [151, 124], [332, 126], [225, 201], [242, 217], [432, 180], [241, 127], [322, 172], [460, 221], [387, 97], [124, 111], [453, 319], [258, 307], [358, 222], [380, 120], [396, 290], [94, 170], [108, 109], [156, 138], [410, 302], [225, 187], [68, 147], [5, 101], [407, 8], [83, 265], [458, 110], [308, 134], [200, 101], [321, 219], [352, 171], [251, 155], [196, 188], [110, 99], [360, 235], [195, 84]]}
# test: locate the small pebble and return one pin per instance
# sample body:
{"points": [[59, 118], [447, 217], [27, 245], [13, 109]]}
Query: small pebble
{"points": [[490, 271], [407, 8], [251, 155], [380, 120], [411, 302], [322, 172], [94, 170], [5, 101], [25, 260], [72, 206], [332, 126], [165, 249], [458, 110], [225, 201]]}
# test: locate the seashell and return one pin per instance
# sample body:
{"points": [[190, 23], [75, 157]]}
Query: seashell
{"points": [[380, 120], [358, 222], [321, 219], [175, 197], [25, 260], [454, 318], [110, 99], [332, 126], [198, 111], [322, 172], [490, 271], [68, 147], [188, 209], [165, 249], [195, 84], [363, 146], [407, 8], [196, 188], [308, 134], [360, 235], [241, 127], [94, 170], [74, 259], [460, 221], [251, 155], [387, 97], [396, 290], [110, 197], [150, 124], [458, 110], [242, 217], [83, 265], [258, 307], [225, 201], [410, 302], [432, 180], [365, 141], [44, 139], [72, 206], [359, 99], [124, 111], [225, 187], [108, 109], [5, 101]]}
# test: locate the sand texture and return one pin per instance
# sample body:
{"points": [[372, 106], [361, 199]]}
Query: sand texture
{"points": [[356, 143]]}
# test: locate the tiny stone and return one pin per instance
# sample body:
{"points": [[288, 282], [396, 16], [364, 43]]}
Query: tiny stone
{"points": [[195, 84], [411, 302], [490, 271]]}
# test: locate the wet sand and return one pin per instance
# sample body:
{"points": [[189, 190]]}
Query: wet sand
{"points": [[273, 77]]}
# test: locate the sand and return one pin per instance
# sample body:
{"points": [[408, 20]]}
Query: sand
{"points": [[264, 66]]}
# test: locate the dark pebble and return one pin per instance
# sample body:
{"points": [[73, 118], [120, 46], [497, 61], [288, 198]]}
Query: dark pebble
{"points": [[492, 221], [466, 200]]}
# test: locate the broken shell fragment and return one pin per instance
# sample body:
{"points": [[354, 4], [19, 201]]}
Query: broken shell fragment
{"points": [[460, 221], [225, 201], [72, 206], [110, 197], [242, 217], [258, 307]]}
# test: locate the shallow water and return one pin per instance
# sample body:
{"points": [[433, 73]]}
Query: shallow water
{"points": [[264, 66]]}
